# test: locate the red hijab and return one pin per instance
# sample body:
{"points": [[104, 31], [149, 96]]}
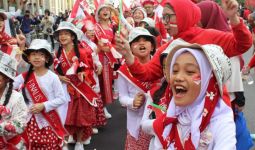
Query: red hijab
{"points": [[188, 15], [213, 16]]}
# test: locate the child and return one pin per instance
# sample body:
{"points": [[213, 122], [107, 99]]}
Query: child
{"points": [[104, 31], [71, 67], [94, 66], [13, 110], [132, 90], [44, 95], [198, 112], [5, 40]]}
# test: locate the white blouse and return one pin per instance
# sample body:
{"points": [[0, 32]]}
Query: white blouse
{"points": [[53, 90], [127, 92]]}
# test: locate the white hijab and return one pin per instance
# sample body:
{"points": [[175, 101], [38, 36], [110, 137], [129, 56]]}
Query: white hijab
{"points": [[190, 117]]}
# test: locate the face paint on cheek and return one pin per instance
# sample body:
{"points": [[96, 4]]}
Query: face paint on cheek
{"points": [[172, 24], [196, 78], [135, 46]]}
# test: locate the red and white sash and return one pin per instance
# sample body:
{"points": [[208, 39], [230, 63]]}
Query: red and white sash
{"points": [[144, 86], [100, 34], [173, 137], [38, 96], [85, 90]]}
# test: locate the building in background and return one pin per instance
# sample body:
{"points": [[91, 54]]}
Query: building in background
{"points": [[54, 6]]}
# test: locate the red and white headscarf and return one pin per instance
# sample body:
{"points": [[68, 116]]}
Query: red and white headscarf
{"points": [[190, 117]]}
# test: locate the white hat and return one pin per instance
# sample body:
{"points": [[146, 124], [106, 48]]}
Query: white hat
{"points": [[142, 9], [100, 7], [8, 65], [149, 21], [219, 62], [64, 25], [39, 45], [138, 31]]}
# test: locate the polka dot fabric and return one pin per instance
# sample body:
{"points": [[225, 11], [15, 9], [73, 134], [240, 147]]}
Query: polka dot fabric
{"points": [[42, 139]]}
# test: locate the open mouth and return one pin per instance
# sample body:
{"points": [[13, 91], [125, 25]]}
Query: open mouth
{"points": [[180, 91], [142, 48]]}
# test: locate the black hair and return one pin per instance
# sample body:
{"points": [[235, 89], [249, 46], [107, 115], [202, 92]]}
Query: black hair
{"points": [[76, 50], [47, 11], [147, 38], [152, 31], [8, 93], [30, 71], [44, 51], [159, 93]]}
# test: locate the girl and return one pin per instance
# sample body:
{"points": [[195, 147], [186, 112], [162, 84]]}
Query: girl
{"points": [[13, 110], [139, 14], [44, 95], [71, 65], [132, 90], [5, 40], [94, 66], [104, 31], [198, 112]]}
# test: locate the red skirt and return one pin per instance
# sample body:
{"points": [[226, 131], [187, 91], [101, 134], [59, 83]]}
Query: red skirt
{"points": [[100, 116], [80, 117], [44, 138], [142, 143], [105, 80]]}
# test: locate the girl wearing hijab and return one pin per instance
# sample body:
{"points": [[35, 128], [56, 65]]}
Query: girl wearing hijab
{"points": [[198, 112], [213, 17], [183, 24]]}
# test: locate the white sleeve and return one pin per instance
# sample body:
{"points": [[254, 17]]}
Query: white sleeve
{"points": [[96, 59], [18, 81], [124, 97], [13, 14], [147, 123], [59, 96], [225, 135]]}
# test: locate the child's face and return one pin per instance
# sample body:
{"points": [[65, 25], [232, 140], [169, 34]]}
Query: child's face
{"points": [[138, 16], [37, 59], [105, 13], [90, 34], [141, 47], [3, 81], [183, 83], [65, 37]]}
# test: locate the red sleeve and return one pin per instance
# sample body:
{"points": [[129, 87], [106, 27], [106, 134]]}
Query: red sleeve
{"points": [[233, 43], [252, 62], [150, 71], [240, 43], [162, 29]]}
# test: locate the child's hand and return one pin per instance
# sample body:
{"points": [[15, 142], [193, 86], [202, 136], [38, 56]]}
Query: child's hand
{"points": [[81, 76], [99, 70], [37, 108], [64, 79], [138, 100], [123, 47]]}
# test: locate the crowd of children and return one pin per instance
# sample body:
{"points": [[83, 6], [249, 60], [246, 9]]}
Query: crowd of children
{"points": [[176, 90]]}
